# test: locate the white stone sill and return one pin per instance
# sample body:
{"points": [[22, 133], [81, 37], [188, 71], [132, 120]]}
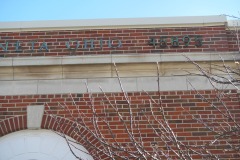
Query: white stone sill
{"points": [[123, 58]]}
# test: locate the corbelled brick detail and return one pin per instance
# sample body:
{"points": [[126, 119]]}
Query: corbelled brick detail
{"points": [[214, 39]]}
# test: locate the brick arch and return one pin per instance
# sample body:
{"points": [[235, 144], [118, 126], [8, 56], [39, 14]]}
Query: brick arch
{"points": [[13, 124], [68, 127], [18, 123]]}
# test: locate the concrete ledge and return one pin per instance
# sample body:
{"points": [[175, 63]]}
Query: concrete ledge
{"points": [[133, 84], [109, 59], [113, 23]]}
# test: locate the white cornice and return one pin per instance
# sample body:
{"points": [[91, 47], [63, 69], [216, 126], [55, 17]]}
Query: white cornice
{"points": [[113, 23], [234, 25]]}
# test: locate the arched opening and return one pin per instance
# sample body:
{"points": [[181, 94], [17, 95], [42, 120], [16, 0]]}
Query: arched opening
{"points": [[39, 145]]}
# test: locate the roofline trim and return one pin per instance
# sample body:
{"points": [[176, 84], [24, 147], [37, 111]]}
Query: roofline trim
{"points": [[151, 22]]}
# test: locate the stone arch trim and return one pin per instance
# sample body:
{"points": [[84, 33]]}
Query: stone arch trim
{"points": [[39, 144]]}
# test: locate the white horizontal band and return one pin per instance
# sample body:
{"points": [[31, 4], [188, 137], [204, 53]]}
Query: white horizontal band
{"points": [[138, 84], [122, 58], [112, 23]]}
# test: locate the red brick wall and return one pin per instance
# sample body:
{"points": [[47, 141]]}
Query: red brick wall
{"points": [[233, 44], [13, 113], [214, 38]]}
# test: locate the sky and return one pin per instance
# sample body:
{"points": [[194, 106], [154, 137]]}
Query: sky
{"points": [[33, 10]]}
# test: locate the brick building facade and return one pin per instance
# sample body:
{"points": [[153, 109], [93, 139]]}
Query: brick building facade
{"points": [[46, 63]]}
